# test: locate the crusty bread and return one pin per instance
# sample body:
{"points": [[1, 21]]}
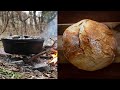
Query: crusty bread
{"points": [[89, 45]]}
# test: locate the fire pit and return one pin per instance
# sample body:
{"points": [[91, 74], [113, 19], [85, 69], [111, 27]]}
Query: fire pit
{"points": [[24, 46]]}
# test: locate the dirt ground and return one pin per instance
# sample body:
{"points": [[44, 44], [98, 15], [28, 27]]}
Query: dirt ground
{"points": [[9, 70], [19, 70]]}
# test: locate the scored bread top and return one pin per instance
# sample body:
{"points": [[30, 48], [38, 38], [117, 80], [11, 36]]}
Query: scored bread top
{"points": [[89, 45]]}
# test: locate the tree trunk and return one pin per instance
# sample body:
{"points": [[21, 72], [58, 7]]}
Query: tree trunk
{"points": [[6, 22], [13, 22], [24, 24], [35, 21], [31, 20]]}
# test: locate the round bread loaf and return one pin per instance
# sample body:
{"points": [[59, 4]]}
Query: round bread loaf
{"points": [[89, 45]]}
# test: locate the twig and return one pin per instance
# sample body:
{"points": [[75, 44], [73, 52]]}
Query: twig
{"points": [[46, 57], [50, 49], [37, 55], [55, 41]]}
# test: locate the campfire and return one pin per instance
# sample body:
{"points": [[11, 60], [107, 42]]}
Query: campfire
{"points": [[25, 42], [47, 55], [54, 58]]}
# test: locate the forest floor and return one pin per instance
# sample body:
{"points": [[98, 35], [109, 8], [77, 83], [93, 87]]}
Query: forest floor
{"points": [[18, 70]]}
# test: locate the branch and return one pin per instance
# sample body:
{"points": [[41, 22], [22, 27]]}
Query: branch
{"points": [[26, 18], [55, 41], [19, 14], [37, 55]]}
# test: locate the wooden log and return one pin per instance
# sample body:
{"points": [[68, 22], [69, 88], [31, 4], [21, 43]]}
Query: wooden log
{"points": [[68, 71], [75, 16]]}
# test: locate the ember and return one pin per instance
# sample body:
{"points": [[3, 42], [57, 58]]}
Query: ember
{"points": [[55, 58]]}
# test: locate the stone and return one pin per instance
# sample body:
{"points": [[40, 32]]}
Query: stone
{"points": [[20, 62], [42, 67]]}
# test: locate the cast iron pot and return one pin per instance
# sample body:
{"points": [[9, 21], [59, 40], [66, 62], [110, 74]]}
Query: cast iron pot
{"points": [[23, 46]]}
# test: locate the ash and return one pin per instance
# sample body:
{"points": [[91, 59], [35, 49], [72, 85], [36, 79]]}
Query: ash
{"points": [[38, 69]]}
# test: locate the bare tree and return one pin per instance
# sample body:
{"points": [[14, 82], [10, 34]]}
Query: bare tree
{"points": [[13, 22], [40, 22], [31, 19], [19, 22], [35, 21], [23, 20], [6, 21]]}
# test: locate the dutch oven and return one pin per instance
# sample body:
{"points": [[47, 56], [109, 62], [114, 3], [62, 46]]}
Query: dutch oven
{"points": [[22, 46]]}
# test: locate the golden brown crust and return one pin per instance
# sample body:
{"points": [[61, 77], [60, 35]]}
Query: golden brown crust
{"points": [[89, 45]]}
